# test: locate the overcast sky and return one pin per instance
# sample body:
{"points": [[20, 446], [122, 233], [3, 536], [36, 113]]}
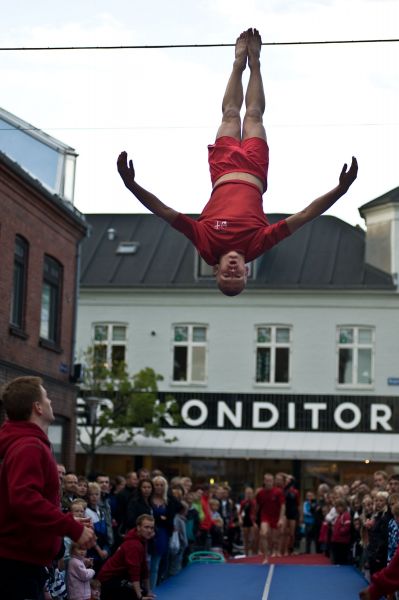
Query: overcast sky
{"points": [[325, 103]]}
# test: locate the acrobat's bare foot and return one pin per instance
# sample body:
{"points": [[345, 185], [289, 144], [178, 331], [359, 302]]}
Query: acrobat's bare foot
{"points": [[241, 51], [254, 44]]}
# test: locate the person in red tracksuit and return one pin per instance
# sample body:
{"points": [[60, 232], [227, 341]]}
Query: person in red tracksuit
{"points": [[233, 229], [125, 575]]}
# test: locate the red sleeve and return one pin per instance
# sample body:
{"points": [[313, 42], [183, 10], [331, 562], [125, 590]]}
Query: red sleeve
{"points": [[187, 226], [26, 482], [273, 234], [385, 581]]}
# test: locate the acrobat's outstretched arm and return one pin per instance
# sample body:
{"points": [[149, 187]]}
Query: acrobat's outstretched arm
{"points": [[126, 171], [320, 205]]}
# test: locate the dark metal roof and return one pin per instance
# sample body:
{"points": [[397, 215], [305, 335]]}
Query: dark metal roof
{"points": [[325, 254], [389, 197]]}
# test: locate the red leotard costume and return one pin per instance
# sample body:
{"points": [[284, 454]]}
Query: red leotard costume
{"points": [[270, 502], [233, 219]]}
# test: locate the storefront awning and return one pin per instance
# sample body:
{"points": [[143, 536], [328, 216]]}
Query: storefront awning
{"points": [[211, 443]]}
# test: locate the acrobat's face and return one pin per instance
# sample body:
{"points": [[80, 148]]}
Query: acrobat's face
{"points": [[231, 273]]}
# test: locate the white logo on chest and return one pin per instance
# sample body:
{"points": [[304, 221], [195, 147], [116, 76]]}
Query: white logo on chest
{"points": [[220, 225]]}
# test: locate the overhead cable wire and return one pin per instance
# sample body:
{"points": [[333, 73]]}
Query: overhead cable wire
{"points": [[184, 127], [167, 46]]}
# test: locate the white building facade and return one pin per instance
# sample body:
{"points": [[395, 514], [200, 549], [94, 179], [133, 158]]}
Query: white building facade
{"points": [[300, 373]]}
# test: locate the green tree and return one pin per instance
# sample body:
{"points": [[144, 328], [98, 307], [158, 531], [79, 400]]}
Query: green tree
{"points": [[117, 406]]}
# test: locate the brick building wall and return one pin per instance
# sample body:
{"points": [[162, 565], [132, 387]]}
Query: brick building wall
{"points": [[52, 229]]}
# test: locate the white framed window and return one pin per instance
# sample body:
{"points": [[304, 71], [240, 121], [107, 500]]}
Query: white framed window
{"points": [[355, 346], [273, 349], [190, 353], [110, 341]]}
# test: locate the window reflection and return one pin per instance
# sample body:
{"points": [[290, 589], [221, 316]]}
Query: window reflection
{"points": [[46, 159]]}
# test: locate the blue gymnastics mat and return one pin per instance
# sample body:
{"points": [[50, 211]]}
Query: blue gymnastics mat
{"points": [[215, 582], [258, 582], [319, 582]]}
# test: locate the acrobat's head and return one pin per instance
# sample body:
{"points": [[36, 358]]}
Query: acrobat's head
{"points": [[231, 273]]}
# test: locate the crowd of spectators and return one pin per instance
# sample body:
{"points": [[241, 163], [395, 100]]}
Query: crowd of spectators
{"points": [[355, 524], [351, 524]]}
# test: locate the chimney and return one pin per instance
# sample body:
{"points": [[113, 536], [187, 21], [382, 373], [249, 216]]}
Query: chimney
{"points": [[111, 234], [382, 236]]}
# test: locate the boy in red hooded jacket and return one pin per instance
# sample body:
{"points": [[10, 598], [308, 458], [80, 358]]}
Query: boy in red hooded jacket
{"points": [[125, 575]]}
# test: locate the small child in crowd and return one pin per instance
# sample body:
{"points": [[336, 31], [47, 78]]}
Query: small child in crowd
{"points": [[78, 576], [95, 587]]}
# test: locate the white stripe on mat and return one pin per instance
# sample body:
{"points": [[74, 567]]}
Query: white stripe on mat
{"points": [[268, 583]]}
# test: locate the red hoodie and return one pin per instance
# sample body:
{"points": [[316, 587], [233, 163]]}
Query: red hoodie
{"points": [[128, 562], [31, 521]]}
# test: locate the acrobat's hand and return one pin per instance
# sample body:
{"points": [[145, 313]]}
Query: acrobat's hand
{"points": [[348, 177], [364, 594], [126, 171]]}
